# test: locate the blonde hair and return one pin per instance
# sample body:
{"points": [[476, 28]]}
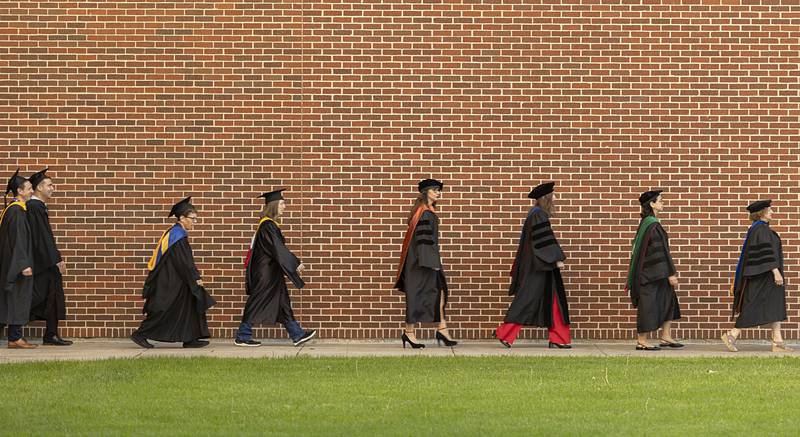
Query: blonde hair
{"points": [[271, 210], [546, 203], [758, 215]]}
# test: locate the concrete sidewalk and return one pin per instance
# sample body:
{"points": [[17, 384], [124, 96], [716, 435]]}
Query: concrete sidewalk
{"points": [[106, 348]]}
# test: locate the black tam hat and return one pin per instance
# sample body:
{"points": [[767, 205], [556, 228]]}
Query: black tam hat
{"points": [[181, 207], [542, 190], [649, 196], [759, 205], [38, 177], [273, 195], [427, 184]]}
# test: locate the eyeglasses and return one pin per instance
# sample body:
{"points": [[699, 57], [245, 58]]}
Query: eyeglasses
{"points": [[194, 219]]}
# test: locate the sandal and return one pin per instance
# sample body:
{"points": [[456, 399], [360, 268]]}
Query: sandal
{"points": [[644, 347], [780, 347], [730, 342], [672, 344]]}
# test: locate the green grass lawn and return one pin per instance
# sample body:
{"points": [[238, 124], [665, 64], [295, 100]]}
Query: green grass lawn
{"points": [[403, 396]]}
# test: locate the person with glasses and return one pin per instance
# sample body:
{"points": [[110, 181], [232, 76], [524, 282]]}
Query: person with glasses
{"points": [[175, 300]]}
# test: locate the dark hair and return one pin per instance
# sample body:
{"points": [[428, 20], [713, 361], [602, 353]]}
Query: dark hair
{"points": [[46, 178], [186, 211], [647, 210]]}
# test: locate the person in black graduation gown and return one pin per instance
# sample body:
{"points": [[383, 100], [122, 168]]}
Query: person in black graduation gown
{"points": [[268, 260], [538, 289], [759, 290], [16, 262], [48, 291], [652, 277], [420, 274], [175, 299]]}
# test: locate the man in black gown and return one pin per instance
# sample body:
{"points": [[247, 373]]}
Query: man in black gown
{"points": [[16, 263], [48, 266]]}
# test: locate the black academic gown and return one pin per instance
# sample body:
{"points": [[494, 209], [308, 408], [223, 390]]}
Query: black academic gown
{"points": [[15, 256], [423, 285], [268, 298], [175, 306], [535, 276], [48, 290], [652, 294], [760, 301]]}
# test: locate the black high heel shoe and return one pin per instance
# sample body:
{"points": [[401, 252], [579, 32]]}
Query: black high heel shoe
{"points": [[441, 338], [405, 340]]}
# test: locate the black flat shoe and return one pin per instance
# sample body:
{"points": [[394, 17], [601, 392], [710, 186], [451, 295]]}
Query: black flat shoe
{"points": [[55, 341], [141, 340], [503, 342], [641, 347], [195, 344], [552, 345], [440, 338], [405, 340], [672, 344]]}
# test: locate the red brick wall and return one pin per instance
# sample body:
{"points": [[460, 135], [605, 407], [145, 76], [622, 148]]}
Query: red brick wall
{"points": [[133, 105]]}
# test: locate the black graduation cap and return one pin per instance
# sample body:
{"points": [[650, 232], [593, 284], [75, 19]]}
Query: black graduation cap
{"points": [[542, 190], [181, 207], [15, 182], [649, 196], [273, 195], [426, 184], [759, 205], [38, 177]]}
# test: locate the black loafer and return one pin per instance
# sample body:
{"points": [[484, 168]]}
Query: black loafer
{"points": [[559, 346], [141, 340], [55, 341]]}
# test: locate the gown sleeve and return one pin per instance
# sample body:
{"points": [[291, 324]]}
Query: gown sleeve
{"points": [[656, 263], [426, 237], [544, 243], [272, 239], [45, 252], [19, 254], [762, 254]]}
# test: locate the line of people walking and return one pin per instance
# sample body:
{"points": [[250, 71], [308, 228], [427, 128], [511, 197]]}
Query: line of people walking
{"points": [[176, 301]]}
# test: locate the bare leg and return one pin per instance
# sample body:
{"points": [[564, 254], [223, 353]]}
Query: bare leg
{"points": [[666, 333], [442, 328], [777, 337], [641, 338], [410, 332]]}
